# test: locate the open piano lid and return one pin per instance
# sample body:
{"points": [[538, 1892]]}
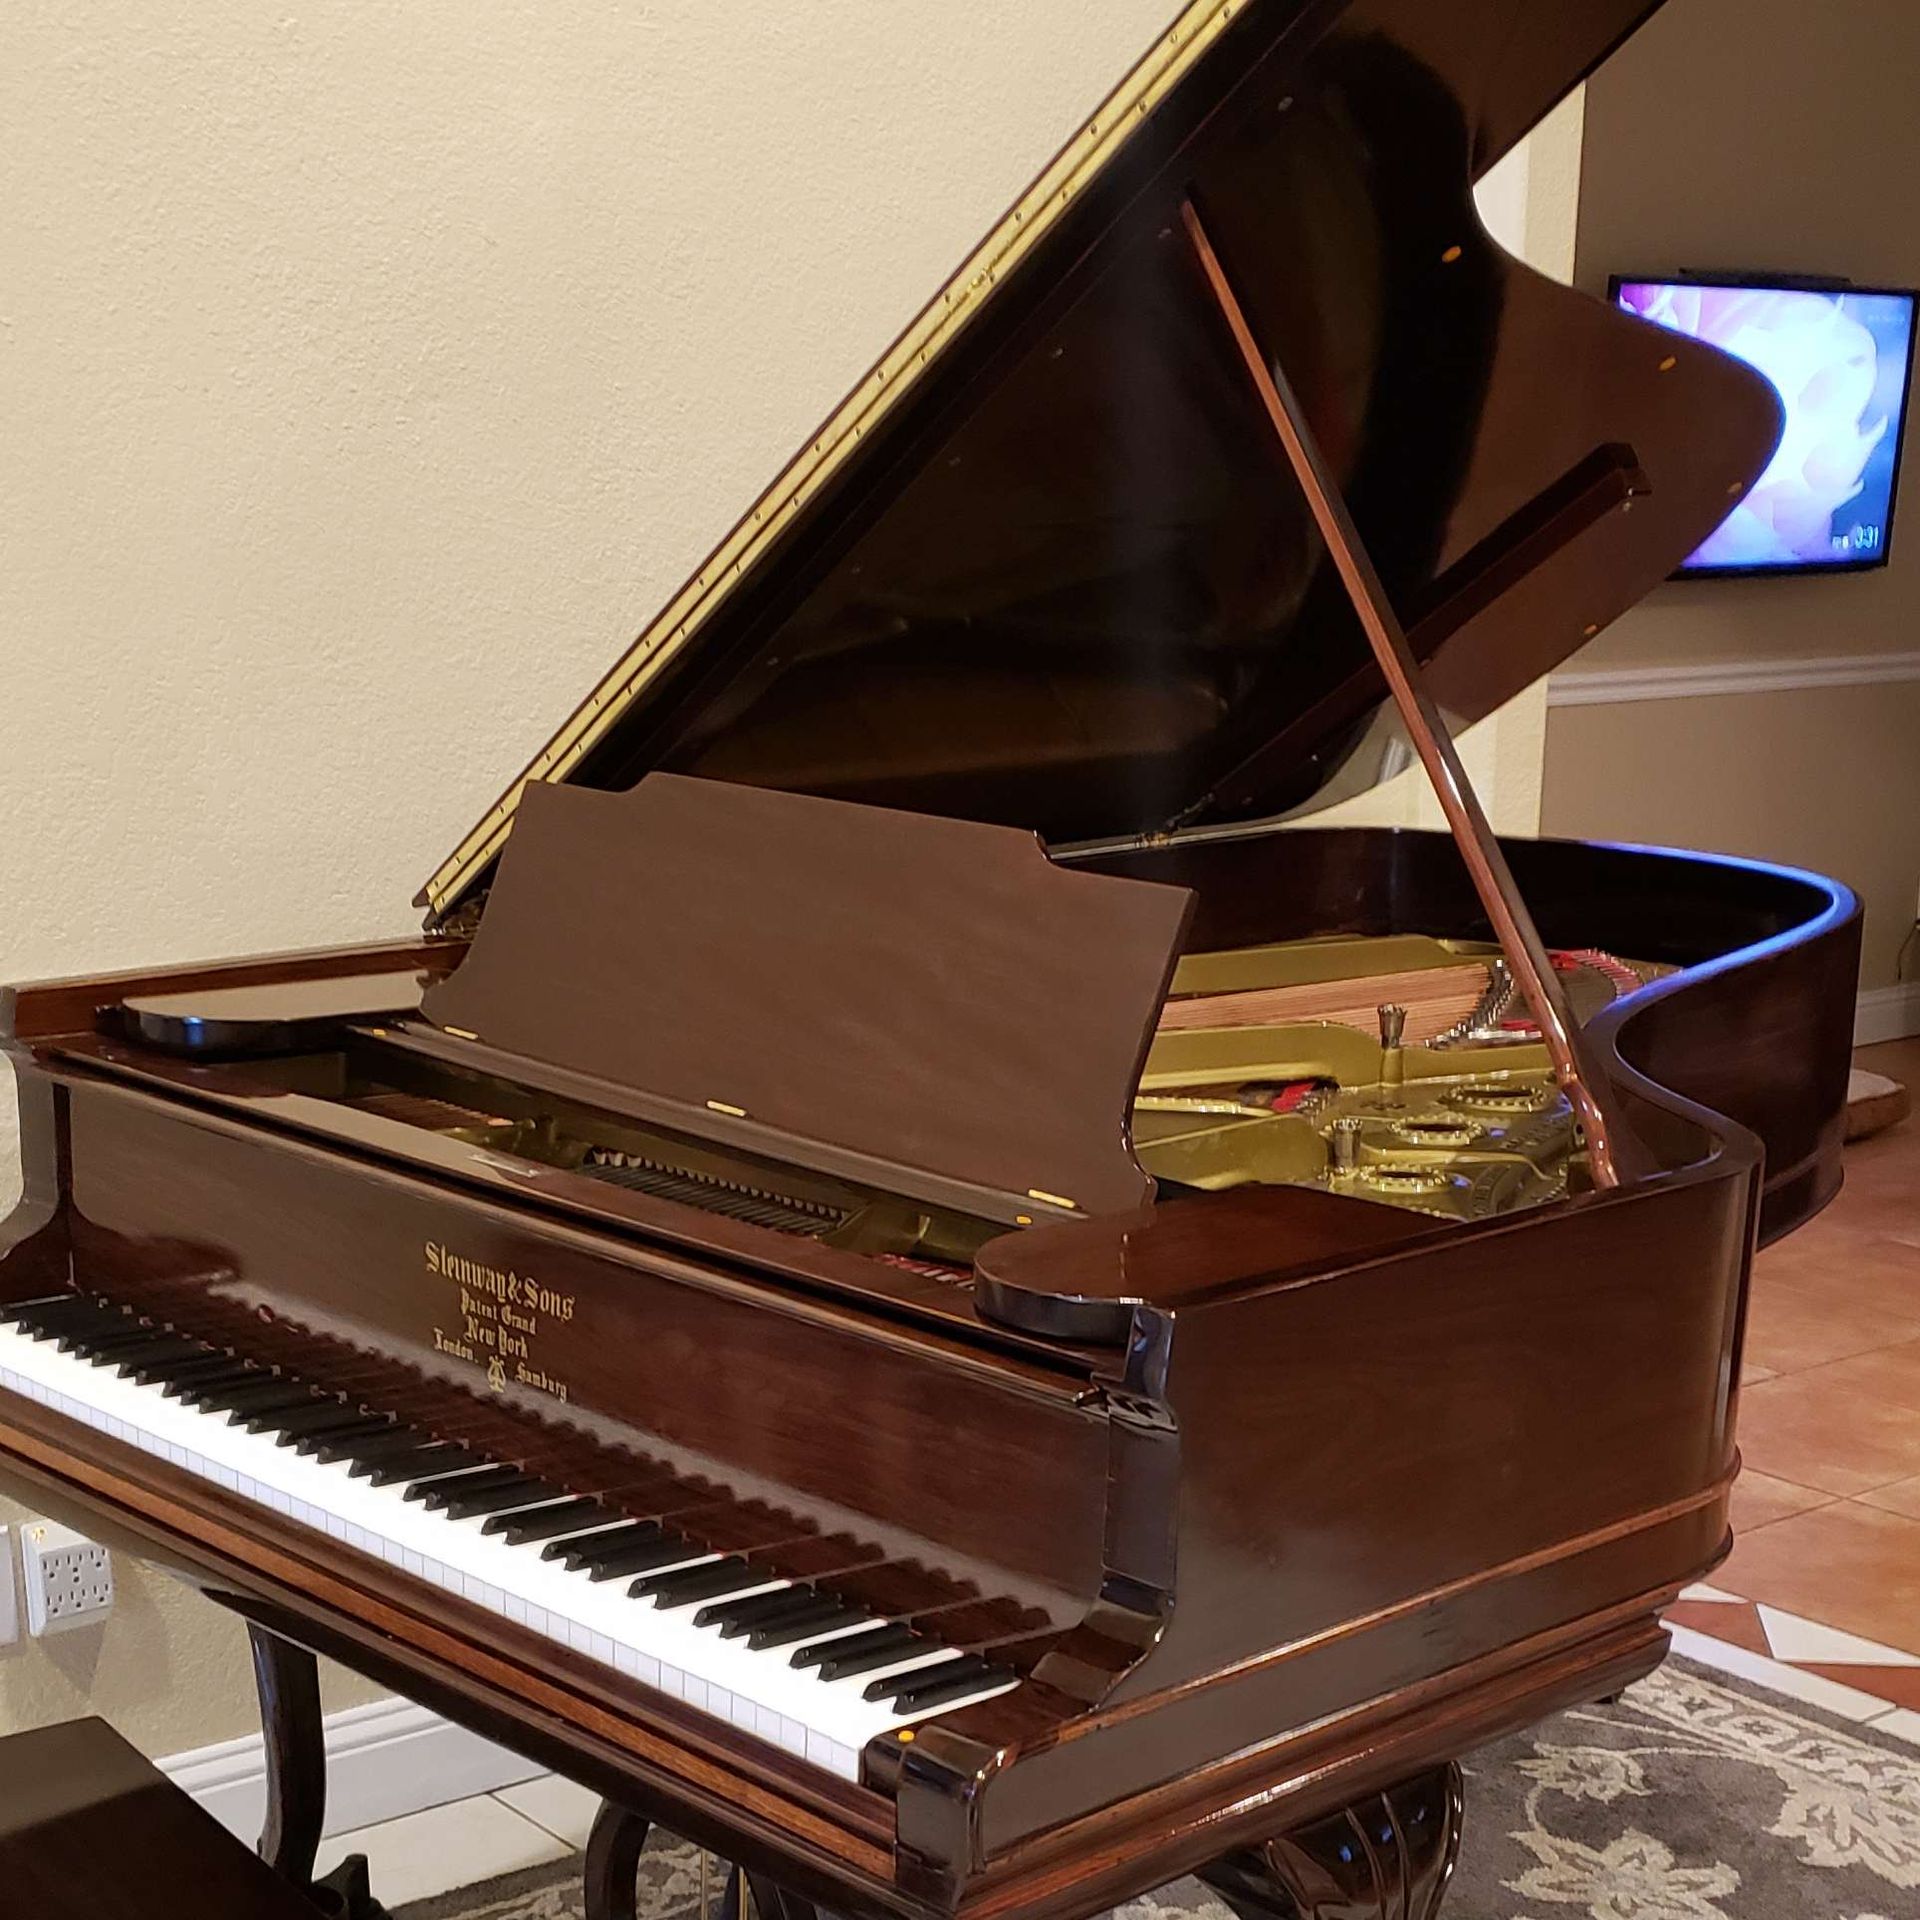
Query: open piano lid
{"points": [[1048, 566]]}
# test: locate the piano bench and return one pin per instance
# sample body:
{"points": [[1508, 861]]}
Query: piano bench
{"points": [[89, 1830]]}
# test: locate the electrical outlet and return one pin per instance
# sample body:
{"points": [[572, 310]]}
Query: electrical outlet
{"points": [[9, 1593], [68, 1578]]}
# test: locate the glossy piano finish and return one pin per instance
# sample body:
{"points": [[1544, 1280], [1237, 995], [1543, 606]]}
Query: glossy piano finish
{"points": [[1062, 577], [954, 1013], [1259, 1528], [1344, 1496]]}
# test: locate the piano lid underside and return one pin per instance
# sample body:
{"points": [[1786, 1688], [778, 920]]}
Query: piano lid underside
{"points": [[1070, 583]]}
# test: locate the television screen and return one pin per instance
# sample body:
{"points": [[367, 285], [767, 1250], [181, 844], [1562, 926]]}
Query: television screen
{"points": [[1840, 359]]}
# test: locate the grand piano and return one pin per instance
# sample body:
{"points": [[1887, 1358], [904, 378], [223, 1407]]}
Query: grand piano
{"points": [[912, 1278]]}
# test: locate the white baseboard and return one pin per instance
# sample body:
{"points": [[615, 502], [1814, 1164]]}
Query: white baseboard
{"points": [[384, 1760], [1887, 1013]]}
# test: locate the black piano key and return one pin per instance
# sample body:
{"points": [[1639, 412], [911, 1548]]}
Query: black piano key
{"points": [[433, 1489], [827, 1614], [193, 1387], [95, 1343], [88, 1313], [210, 1395], [545, 1523], [337, 1443], [890, 1632], [576, 1554], [734, 1617], [913, 1693], [708, 1581], [50, 1320], [18, 1312], [397, 1439], [63, 1329], [240, 1404], [316, 1418], [160, 1346], [667, 1551], [154, 1370], [416, 1463], [753, 1606], [457, 1505], [888, 1685], [862, 1652]]}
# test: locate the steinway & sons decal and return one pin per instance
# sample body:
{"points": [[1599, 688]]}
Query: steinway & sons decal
{"points": [[495, 1319]]}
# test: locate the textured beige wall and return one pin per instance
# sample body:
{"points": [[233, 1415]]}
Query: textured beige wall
{"points": [[169, 1669], [1772, 775], [1750, 134], [367, 375]]}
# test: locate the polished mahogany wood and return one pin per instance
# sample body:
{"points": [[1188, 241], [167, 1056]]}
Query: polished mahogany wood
{"points": [[1289, 1379], [931, 996], [1085, 1281], [1392, 1855], [225, 1224], [89, 1830], [37, 1010], [287, 1681], [614, 1845], [300, 1104]]}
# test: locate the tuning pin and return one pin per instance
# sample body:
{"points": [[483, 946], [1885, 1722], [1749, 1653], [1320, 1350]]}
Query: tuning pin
{"points": [[1393, 1027]]}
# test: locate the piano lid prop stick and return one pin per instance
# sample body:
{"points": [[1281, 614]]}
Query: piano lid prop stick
{"points": [[1486, 865]]}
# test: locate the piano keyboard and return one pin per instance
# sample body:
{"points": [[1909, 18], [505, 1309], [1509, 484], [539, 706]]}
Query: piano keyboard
{"points": [[789, 1660]]}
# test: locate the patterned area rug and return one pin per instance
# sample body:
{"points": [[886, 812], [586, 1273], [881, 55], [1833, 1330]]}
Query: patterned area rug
{"points": [[1696, 1798]]}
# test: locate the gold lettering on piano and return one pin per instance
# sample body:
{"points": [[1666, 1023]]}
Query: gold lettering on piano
{"points": [[495, 1315]]}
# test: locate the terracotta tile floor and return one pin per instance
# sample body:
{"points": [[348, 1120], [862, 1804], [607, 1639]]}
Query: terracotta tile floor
{"points": [[1828, 1510]]}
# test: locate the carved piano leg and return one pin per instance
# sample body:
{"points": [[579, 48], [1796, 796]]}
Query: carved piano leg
{"points": [[287, 1679], [613, 1863], [1385, 1858]]}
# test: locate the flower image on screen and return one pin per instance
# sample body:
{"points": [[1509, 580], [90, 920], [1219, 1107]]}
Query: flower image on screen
{"points": [[1839, 362]]}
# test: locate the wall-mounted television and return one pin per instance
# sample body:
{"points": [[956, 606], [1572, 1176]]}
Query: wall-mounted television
{"points": [[1841, 359]]}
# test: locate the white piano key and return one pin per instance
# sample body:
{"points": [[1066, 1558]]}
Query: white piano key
{"points": [[829, 1722]]}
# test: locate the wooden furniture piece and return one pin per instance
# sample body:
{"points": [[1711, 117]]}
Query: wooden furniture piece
{"points": [[714, 1315], [90, 1830]]}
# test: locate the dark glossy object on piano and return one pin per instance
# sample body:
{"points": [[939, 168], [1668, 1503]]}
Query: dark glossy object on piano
{"points": [[724, 1343]]}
